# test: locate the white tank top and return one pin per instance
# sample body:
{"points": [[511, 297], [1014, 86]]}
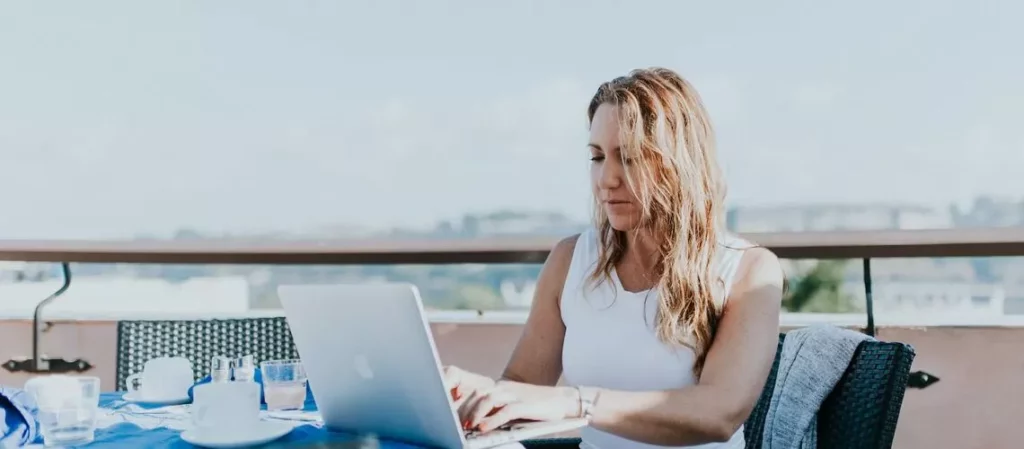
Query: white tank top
{"points": [[610, 341]]}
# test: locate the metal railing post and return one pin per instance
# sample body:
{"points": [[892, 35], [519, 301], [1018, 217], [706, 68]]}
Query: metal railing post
{"points": [[39, 364], [917, 379], [869, 300]]}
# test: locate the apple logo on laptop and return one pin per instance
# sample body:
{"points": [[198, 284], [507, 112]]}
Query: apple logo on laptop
{"points": [[362, 365]]}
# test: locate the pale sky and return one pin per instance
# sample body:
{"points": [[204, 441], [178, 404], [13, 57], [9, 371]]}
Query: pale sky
{"points": [[127, 117]]}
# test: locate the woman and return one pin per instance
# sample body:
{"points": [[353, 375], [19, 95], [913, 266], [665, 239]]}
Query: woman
{"points": [[665, 326]]}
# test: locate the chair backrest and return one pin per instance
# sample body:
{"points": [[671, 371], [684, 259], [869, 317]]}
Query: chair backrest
{"points": [[753, 429], [862, 410], [199, 341]]}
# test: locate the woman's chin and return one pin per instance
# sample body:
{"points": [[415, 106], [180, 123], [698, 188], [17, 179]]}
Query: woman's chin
{"points": [[623, 223]]}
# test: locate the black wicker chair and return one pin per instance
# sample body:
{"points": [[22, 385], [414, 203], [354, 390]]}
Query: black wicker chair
{"points": [[199, 341], [861, 412]]}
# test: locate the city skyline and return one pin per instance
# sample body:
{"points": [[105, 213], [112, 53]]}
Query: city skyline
{"points": [[119, 118]]}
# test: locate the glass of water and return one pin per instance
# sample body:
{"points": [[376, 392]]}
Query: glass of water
{"points": [[68, 407], [284, 384]]}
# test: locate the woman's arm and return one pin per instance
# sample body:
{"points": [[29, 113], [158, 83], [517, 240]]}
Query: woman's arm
{"points": [[735, 372], [536, 362], [537, 358]]}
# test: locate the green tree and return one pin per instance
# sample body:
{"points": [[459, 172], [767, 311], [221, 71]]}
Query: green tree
{"points": [[819, 290], [477, 297]]}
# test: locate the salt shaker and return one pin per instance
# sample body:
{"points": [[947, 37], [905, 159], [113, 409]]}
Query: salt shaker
{"points": [[220, 369], [245, 368]]}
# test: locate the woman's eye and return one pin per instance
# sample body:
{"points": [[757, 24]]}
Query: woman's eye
{"points": [[596, 158]]}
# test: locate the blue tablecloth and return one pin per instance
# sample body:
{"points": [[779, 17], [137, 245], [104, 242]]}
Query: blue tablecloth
{"points": [[129, 425]]}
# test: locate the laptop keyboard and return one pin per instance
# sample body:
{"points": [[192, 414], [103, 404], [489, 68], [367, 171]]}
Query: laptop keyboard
{"points": [[471, 434]]}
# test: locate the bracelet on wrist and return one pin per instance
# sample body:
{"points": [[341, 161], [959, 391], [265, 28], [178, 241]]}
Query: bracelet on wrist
{"points": [[586, 398]]}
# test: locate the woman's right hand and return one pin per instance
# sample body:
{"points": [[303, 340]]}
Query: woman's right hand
{"points": [[462, 384]]}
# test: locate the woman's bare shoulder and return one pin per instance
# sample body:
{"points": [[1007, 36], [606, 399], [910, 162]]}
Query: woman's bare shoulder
{"points": [[561, 254], [759, 268]]}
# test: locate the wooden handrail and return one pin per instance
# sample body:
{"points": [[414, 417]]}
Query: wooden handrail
{"points": [[802, 245]]}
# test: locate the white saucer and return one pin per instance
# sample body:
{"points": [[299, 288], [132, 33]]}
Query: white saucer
{"points": [[262, 432], [134, 398]]}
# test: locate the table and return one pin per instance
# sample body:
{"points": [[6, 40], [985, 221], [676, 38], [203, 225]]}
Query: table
{"points": [[122, 424]]}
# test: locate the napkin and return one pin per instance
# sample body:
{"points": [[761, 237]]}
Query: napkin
{"points": [[18, 424], [258, 378]]}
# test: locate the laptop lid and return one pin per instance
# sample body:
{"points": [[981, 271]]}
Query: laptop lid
{"points": [[371, 361]]}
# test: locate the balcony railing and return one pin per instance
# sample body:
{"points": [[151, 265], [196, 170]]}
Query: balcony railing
{"points": [[864, 245], [797, 245]]}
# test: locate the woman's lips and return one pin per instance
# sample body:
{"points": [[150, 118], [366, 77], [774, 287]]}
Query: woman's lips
{"points": [[617, 205]]}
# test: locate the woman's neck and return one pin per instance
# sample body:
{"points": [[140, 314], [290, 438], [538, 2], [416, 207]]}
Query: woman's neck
{"points": [[642, 250]]}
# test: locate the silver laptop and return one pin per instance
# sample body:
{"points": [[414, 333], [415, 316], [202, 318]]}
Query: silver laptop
{"points": [[373, 367]]}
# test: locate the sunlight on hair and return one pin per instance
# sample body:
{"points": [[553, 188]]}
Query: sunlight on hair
{"points": [[666, 133]]}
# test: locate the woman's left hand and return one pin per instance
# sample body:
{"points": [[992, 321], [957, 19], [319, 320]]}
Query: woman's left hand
{"points": [[488, 409]]}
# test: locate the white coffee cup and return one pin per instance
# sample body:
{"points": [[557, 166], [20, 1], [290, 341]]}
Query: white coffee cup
{"points": [[162, 378], [225, 407]]}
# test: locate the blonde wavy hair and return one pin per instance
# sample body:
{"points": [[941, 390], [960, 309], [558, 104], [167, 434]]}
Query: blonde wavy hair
{"points": [[666, 132]]}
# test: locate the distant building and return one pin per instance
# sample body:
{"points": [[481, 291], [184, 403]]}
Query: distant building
{"points": [[835, 217], [505, 223], [27, 271], [963, 301], [118, 297], [1014, 302], [990, 212]]}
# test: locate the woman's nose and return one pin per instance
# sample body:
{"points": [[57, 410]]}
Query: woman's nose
{"points": [[611, 176]]}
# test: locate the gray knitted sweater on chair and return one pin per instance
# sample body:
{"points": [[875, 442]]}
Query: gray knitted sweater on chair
{"points": [[813, 360]]}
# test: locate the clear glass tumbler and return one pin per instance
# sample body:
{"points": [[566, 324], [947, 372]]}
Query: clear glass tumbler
{"points": [[284, 384], [68, 407]]}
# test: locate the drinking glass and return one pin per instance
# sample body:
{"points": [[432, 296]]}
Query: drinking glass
{"points": [[284, 384], [245, 368], [220, 369], [67, 408]]}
